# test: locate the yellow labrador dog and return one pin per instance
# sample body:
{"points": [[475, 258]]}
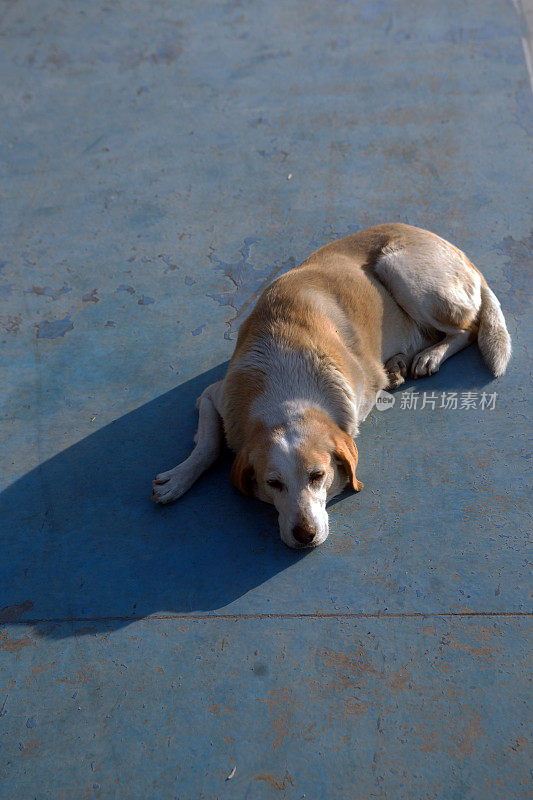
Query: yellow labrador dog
{"points": [[355, 318]]}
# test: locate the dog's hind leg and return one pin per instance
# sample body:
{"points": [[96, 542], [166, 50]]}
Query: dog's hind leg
{"points": [[168, 486], [428, 361], [436, 285]]}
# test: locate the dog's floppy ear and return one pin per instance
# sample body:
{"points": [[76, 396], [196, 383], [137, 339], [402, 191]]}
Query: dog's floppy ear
{"points": [[346, 452], [242, 473]]}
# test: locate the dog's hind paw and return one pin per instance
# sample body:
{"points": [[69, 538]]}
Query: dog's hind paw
{"points": [[426, 363]]}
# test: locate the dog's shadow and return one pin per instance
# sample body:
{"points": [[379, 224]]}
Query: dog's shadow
{"points": [[83, 542]]}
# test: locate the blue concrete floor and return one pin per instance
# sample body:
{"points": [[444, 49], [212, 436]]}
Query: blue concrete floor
{"points": [[162, 161]]}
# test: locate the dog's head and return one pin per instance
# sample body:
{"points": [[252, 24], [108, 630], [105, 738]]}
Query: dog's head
{"points": [[298, 466]]}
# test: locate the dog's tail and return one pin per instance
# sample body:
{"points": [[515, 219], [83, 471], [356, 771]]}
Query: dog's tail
{"points": [[493, 337]]}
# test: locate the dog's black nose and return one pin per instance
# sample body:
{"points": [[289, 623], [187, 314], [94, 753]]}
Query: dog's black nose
{"points": [[303, 534]]}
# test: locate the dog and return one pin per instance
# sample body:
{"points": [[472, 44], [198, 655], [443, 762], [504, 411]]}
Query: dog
{"points": [[323, 340]]}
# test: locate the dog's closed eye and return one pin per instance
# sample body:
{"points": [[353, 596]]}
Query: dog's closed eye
{"points": [[275, 484], [316, 476]]}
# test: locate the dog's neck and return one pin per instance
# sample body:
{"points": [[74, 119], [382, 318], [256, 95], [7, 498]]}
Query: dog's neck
{"points": [[297, 381]]}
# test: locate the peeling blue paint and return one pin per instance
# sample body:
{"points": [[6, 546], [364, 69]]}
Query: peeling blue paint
{"points": [[198, 330], [91, 297], [145, 301], [12, 323], [248, 282], [55, 328], [47, 291], [170, 264]]}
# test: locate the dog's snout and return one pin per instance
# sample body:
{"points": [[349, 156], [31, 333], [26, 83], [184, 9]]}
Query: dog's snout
{"points": [[303, 534]]}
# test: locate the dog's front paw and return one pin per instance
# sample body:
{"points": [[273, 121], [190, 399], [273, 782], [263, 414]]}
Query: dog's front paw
{"points": [[168, 486], [396, 369]]}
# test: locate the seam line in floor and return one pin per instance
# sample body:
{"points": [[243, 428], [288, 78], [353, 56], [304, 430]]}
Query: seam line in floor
{"points": [[266, 616]]}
